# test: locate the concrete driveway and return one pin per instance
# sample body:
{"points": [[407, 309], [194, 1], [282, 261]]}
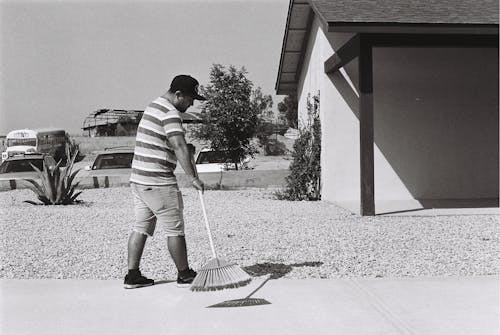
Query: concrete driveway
{"points": [[430, 305]]}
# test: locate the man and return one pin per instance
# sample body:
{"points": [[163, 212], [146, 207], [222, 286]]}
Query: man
{"points": [[160, 143]]}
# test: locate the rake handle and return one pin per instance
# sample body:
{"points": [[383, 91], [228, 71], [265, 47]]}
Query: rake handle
{"points": [[200, 193]]}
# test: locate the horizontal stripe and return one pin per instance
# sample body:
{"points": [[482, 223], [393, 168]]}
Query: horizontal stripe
{"points": [[145, 152], [164, 174], [166, 104], [153, 127], [169, 157], [142, 144], [151, 166], [172, 115], [152, 119], [156, 113], [171, 128], [173, 133], [159, 107], [162, 162], [143, 130], [171, 120], [152, 140]]}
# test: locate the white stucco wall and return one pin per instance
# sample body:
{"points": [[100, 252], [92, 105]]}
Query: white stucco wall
{"points": [[311, 77], [340, 153], [339, 119], [435, 119]]}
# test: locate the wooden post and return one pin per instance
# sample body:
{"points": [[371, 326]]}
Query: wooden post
{"points": [[366, 127]]}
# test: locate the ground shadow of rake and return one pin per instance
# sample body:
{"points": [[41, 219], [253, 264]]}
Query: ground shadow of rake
{"points": [[276, 270], [273, 271], [247, 301]]}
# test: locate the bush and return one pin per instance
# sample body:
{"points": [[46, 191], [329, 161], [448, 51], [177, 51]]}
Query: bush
{"points": [[263, 131], [56, 186], [266, 132], [274, 148], [304, 181]]}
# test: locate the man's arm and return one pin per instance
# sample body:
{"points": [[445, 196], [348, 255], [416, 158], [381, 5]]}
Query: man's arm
{"points": [[183, 155]]}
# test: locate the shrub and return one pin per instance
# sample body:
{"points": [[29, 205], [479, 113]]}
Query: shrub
{"points": [[304, 181], [56, 186], [263, 131], [274, 148], [266, 134]]}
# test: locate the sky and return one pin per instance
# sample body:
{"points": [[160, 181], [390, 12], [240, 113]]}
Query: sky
{"points": [[61, 60]]}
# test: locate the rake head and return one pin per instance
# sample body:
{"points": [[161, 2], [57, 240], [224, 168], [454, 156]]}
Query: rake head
{"points": [[219, 274]]}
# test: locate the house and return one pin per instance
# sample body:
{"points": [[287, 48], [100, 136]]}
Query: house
{"points": [[408, 99], [124, 122]]}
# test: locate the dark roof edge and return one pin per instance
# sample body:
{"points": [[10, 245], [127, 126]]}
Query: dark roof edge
{"points": [[285, 36], [405, 28]]}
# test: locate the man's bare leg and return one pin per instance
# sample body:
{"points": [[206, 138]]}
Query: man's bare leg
{"points": [[177, 249], [136, 244]]}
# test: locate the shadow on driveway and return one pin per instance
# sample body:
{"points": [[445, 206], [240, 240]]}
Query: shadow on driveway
{"points": [[276, 270], [273, 271]]}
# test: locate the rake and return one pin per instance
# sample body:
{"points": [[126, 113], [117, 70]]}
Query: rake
{"points": [[217, 274]]}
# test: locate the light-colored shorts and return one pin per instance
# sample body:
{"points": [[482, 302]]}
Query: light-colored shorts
{"points": [[161, 204]]}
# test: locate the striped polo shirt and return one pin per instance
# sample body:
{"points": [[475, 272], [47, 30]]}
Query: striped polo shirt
{"points": [[154, 159]]}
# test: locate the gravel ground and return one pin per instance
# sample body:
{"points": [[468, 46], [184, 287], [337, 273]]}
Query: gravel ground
{"points": [[285, 239]]}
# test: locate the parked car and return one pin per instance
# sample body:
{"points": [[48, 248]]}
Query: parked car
{"points": [[19, 167], [112, 161], [209, 160]]}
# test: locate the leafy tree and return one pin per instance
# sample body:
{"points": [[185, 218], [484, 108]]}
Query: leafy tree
{"points": [[262, 104], [288, 109], [231, 112]]}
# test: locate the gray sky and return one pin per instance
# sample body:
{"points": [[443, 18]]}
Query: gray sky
{"points": [[61, 60]]}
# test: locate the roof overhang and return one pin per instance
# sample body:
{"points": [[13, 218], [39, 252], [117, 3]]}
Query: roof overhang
{"points": [[298, 25]]}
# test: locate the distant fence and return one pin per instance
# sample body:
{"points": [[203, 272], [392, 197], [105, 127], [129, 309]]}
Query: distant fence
{"points": [[227, 180], [89, 145]]}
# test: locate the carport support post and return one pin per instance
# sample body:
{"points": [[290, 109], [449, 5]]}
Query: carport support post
{"points": [[366, 126]]}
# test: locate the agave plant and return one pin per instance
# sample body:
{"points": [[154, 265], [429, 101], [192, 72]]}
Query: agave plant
{"points": [[56, 187]]}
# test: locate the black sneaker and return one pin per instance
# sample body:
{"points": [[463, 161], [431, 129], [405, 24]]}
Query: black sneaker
{"points": [[185, 278], [137, 281]]}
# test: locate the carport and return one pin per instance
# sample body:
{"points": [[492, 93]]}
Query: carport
{"points": [[449, 24]]}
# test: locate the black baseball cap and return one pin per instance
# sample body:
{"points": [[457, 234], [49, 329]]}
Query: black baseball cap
{"points": [[187, 85]]}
